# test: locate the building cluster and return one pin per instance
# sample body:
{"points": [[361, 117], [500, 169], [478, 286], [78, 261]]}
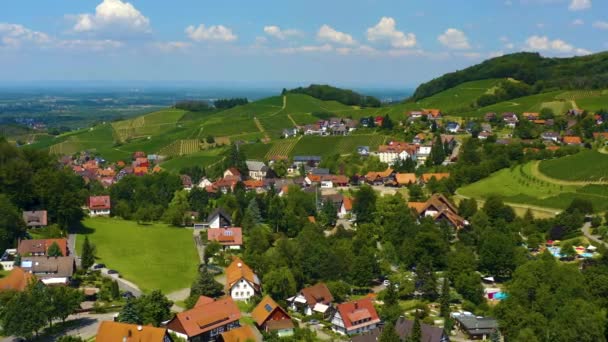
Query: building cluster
{"points": [[332, 126]]}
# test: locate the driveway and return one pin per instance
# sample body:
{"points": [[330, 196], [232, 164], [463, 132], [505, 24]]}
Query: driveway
{"points": [[123, 284], [587, 232]]}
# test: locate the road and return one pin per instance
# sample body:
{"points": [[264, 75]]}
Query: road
{"points": [[587, 232]]}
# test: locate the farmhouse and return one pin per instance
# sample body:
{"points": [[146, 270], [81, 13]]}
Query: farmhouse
{"points": [[35, 219], [316, 298], [233, 173], [270, 317], [99, 205], [207, 320], [241, 282], [50, 270], [550, 136], [379, 178], [229, 238], [404, 328], [396, 151], [355, 317], [41, 246], [16, 280], [115, 331], [432, 114], [257, 169], [440, 209]]}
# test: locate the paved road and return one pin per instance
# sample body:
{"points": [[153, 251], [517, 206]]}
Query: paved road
{"points": [[72, 248], [587, 232], [123, 284]]}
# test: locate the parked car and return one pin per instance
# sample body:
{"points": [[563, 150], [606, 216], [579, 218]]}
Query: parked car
{"points": [[112, 272], [313, 322], [99, 266], [128, 295], [386, 282]]}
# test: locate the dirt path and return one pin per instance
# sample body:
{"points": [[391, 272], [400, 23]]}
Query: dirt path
{"points": [[261, 128], [536, 173], [292, 120], [587, 232], [574, 105]]}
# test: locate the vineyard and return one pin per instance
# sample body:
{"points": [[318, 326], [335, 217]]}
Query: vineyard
{"points": [[182, 147], [282, 147]]}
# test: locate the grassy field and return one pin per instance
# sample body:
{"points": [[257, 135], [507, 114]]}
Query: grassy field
{"points": [[151, 256], [585, 166], [519, 185], [532, 103], [202, 159], [326, 146]]}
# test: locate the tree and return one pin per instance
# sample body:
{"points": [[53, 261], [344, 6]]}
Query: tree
{"points": [[88, 254], [469, 286], [280, 283], [497, 255], [364, 204], [129, 313], [444, 299], [24, 314], [54, 250], [416, 193], [416, 335], [467, 207], [114, 290], [426, 283], [437, 155], [153, 308], [11, 223], [389, 334], [65, 301], [391, 310], [211, 250], [583, 206], [204, 285], [329, 213], [387, 123], [176, 211]]}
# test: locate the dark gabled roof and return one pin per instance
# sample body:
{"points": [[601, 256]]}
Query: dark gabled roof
{"points": [[220, 212], [404, 328], [306, 158]]}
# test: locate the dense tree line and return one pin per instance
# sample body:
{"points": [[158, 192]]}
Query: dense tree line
{"points": [[193, 105], [583, 72], [506, 90], [344, 96], [229, 103]]}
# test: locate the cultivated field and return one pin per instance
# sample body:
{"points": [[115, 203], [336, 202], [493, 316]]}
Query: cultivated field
{"points": [[519, 185], [151, 256], [586, 166], [326, 146]]}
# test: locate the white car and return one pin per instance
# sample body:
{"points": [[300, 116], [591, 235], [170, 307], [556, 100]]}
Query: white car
{"points": [[386, 282]]}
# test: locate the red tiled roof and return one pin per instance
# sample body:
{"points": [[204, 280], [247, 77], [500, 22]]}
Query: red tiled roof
{"points": [[238, 270], [405, 178], [318, 293], [226, 236], [570, 139], [205, 317], [39, 246], [16, 280], [123, 332], [99, 202], [438, 176], [358, 310]]}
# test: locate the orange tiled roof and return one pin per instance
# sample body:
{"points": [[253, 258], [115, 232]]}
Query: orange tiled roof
{"points": [[597, 135], [205, 317], [241, 334], [438, 176], [571, 139], [114, 331], [405, 178], [418, 206], [253, 184], [347, 202], [264, 309], [372, 175], [238, 270]]}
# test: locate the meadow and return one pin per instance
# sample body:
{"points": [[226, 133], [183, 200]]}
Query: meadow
{"points": [[202, 159], [519, 185], [585, 166], [153, 256], [326, 146]]}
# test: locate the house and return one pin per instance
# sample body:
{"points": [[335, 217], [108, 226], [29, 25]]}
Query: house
{"points": [[423, 152], [396, 151], [7, 259], [16, 280], [270, 317], [452, 127], [186, 182], [572, 140], [109, 331], [240, 334], [531, 116], [233, 173], [40, 247], [207, 320], [204, 182], [486, 127], [484, 135], [440, 209], [312, 299], [510, 119], [575, 112], [600, 135], [489, 117], [426, 177], [419, 138], [339, 130], [140, 170], [312, 129], [550, 136], [241, 282], [416, 114], [378, 121], [312, 161], [449, 140], [257, 169], [363, 151], [35, 219], [405, 178], [404, 328], [355, 317], [219, 219], [229, 238], [476, 328], [99, 205], [346, 207], [379, 178], [432, 114], [50, 270], [289, 132]]}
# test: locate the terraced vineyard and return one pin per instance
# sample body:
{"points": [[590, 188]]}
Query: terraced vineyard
{"points": [[326, 146], [282, 147]]}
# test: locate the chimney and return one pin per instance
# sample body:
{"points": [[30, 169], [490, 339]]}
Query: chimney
{"points": [[140, 328], [356, 305], [239, 265]]}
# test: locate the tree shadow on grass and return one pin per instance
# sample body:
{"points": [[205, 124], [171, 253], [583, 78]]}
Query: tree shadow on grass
{"points": [[80, 228]]}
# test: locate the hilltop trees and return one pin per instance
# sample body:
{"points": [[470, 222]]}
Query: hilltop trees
{"points": [[329, 93]]}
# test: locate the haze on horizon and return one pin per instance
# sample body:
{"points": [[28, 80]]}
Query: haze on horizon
{"points": [[370, 43]]}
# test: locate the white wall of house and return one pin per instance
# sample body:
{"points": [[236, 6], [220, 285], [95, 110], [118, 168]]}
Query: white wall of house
{"points": [[7, 265], [242, 290], [215, 222], [337, 324], [99, 212], [391, 157]]}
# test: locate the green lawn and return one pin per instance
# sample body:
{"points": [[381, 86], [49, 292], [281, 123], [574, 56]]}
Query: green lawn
{"points": [[518, 185], [152, 256], [587, 165]]}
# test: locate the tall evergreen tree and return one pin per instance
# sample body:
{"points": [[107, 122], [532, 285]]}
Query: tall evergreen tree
{"points": [[114, 290], [416, 335], [129, 313], [204, 285], [54, 250], [389, 334], [88, 254]]}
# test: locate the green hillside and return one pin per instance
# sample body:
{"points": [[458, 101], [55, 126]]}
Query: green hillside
{"points": [[581, 72], [586, 166]]}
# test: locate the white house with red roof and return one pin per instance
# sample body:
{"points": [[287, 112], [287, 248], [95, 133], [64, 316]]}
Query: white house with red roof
{"points": [[229, 237], [355, 317], [99, 206]]}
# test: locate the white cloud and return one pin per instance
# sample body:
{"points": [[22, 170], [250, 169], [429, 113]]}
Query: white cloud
{"points": [[172, 46], [328, 34], [538, 43], [114, 15], [219, 33], [359, 50], [277, 32], [578, 22], [15, 35], [307, 49], [385, 31], [602, 25], [454, 39], [579, 5]]}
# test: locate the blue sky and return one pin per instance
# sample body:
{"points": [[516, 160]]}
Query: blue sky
{"points": [[356, 42]]}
